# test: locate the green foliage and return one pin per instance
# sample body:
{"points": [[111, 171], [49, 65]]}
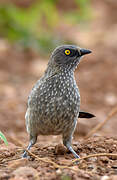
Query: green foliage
{"points": [[32, 27], [65, 177], [82, 12], [25, 26], [3, 138]]}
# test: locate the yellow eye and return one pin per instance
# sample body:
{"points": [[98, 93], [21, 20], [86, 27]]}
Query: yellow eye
{"points": [[67, 52]]}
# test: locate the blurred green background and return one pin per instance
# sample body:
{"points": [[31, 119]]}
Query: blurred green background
{"points": [[33, 24]]}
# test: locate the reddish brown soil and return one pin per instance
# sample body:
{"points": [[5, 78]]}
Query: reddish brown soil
{"points": [[13, 167]]}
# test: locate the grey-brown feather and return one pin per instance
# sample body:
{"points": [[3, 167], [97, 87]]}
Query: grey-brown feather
{"points": [[54, 102], [53, 105]]}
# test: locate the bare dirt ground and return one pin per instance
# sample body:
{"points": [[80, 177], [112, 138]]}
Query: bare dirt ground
{"points": [[97, 80]]}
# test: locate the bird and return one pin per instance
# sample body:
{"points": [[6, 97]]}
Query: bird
{"points": [[54, 101]]}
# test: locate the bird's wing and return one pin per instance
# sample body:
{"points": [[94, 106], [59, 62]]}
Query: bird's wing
{"points": [[85, 115]]}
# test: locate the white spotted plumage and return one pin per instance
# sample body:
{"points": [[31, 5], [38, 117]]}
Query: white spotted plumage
{"points": [[54, 102]]}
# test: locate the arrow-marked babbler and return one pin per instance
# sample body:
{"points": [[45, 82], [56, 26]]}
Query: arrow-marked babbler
{"points": [[54, 102]]}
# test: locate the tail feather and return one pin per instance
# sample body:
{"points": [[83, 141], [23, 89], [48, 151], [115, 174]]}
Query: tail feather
{"points": [[85, 115]]}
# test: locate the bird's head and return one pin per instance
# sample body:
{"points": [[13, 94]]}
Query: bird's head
{"points": [[67, 56]]}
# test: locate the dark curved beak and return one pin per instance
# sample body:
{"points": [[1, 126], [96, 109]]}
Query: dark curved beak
{"points": [[85, 51]]}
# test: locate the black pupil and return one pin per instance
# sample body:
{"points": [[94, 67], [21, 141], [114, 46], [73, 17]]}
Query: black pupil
{"points": [[72, 52]]}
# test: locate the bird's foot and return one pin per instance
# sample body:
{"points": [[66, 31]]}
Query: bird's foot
{"points": [[25, 155], [76, 155], [77, 158]]}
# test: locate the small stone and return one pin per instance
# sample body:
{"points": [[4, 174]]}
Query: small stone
{"points": [[60, 149], [25, 172], [105, 178], [100, 150], [91, 166], [114, 165], [92, 159], [7, 151], [104, 159], [113, 177], [111, 99], [113, 157], [64, 161], [18, 178], [110, 141], [58, 172], [3, 175], [75, 168], [17, 163]]}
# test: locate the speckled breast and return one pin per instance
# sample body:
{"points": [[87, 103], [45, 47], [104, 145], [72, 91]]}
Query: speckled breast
{"points": [[57, 103]]}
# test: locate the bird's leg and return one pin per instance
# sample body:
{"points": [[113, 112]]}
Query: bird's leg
{"points": [[28, 148], [31, 143], [67, 143]]}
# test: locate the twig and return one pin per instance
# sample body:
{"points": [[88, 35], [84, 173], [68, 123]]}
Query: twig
{"points": [[94, 155], [47, 160], [76, 160], [51, 162], [71, 163], [100, 125], [44, 159]]}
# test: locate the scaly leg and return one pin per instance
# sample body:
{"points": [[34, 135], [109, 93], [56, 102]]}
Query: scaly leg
{"points": [[31, 143], [67, 142]]}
